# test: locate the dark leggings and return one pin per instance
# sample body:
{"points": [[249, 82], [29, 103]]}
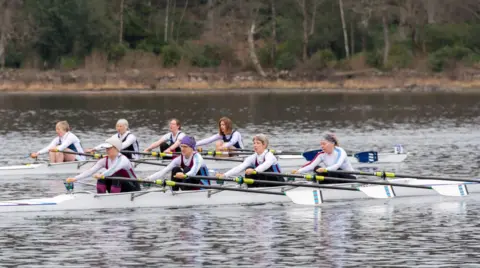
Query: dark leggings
{"points": [[333, 175], [117, 186], [164, 146], [264, 178], [175, 170]]}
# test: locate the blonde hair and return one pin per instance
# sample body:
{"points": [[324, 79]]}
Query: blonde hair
{"points": [[63, 125], [261, 138], [123, 122]]}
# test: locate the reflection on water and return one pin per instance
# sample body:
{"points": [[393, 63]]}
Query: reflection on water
{"points": [[440, 132]]}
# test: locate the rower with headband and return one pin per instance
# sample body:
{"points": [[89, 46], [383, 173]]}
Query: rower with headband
{"points": [[333, 158]]}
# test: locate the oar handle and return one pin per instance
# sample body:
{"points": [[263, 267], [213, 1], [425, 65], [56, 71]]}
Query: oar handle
{"points": [[156, 154], [241, 180], [96, 156]]}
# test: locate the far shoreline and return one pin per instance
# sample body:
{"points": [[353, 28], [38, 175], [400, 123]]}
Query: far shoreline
{"points": [[169, 82]]}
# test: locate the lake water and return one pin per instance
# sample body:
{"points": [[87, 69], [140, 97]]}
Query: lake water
{"points": [[440, 131]]}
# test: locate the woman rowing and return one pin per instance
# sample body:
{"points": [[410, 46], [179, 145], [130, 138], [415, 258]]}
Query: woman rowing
{"points": [[261, 161], [189, 163], [169, 142], [332, 156], [226, 138], [116, 165], [66, 141], [129, 141]]}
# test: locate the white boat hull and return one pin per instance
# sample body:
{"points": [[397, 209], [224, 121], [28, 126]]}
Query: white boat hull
{"points": [[286, 162], [156, 198]]}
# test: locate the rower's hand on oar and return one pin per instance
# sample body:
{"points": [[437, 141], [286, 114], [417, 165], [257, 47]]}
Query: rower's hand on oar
{"points": [[249, 171], [91, 150], [179, 175], [167, 151], [70, 180], [220, 175], [98, 176], [53, 149], [294, 171], [321, 170], [199, 149], [34, 155], [147, 150]]}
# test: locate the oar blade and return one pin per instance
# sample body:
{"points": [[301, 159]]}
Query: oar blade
{"points": [[309, 155], [367, 157], [378, 191], [451, 189], [305, 197]]}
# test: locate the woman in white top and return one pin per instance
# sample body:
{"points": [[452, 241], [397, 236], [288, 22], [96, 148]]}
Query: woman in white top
{"points": [[226, 138], [65, 141], [333, 158], [261, 161], [116, 165], [129, 141], [169, 142], [189, 163]]}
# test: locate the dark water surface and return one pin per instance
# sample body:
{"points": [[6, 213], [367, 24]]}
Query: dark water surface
{"points": [[441, 132]]}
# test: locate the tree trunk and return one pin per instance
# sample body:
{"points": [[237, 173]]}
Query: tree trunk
{"points": [[386, 49], [312, 22], [5, 29], [172, 23], [430, 7], [165, 34], [210, 19], [253, 54], [344, 27], [273, 51], [352, 38], [305, 30], [120, 30], [181, 19]]}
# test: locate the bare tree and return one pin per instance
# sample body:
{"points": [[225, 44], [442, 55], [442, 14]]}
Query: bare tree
{"points": [[181, 19], [251, 45], [210, 19], [5, 28], [274, 32], [120, 28], [365, 9], [172, 23], [344, 27], [306, 32], [430, 7], [165, 35], [386, 38]]}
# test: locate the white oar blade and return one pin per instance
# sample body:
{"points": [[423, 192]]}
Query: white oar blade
{"points": [[305, 197], [451, 189], [378, 191]]}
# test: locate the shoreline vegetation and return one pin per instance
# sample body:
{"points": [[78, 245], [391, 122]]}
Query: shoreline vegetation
{"points": [[321, 45], [368, 80]]}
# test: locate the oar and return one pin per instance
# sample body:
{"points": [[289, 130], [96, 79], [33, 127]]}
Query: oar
{"points": [[444, 189], [241, 180], [149, 163], [90, 155], [161, 155], [362, 157], [276, 152], [298, 197], [384, 175], [155, 154], [302, 197]]}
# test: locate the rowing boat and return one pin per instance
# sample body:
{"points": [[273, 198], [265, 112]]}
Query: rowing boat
{"points": [[286, 162], [165, 198]]}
